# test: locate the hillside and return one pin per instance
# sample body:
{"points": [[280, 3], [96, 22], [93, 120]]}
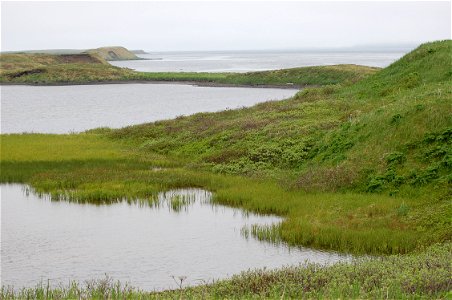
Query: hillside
{"points": [[395, 110], [113, 53], [54, 69], [388, 134]]}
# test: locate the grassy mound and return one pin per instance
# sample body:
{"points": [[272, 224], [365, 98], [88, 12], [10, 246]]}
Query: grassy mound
{"points": [[388, 134], [397, 119], [114, 53], [295, 77], [54, 69]]}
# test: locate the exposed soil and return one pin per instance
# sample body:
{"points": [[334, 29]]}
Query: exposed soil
{"points": [[77, 58], [26, 72]]}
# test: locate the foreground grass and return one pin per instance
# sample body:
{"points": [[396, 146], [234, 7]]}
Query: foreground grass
{"points": [[422, 275]]}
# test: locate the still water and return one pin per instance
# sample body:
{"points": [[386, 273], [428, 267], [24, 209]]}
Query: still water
{"points": [[138, 243], [63, 109], [245, 61]]}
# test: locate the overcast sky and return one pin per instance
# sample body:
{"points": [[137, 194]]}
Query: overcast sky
{"points": [[220, 25]]}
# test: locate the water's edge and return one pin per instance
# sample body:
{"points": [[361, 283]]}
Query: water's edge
{"points": [[181, 82], [182, 234]]}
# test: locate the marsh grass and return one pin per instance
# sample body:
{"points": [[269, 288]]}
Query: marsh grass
{"points": [[362, 223], [178, 200]]}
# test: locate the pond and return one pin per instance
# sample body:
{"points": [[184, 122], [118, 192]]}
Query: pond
{"points": [[64, 109], [180, 233]]}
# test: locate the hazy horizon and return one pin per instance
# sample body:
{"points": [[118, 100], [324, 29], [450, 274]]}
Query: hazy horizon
{"points": [[222, 26], [376, 47]]}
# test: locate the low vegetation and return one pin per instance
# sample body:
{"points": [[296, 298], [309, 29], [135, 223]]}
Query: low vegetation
{"points": [[295, 77], [360, 165]]}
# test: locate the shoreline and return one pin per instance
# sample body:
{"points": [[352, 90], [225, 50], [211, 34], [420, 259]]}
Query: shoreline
{"points": [[193, 83]]}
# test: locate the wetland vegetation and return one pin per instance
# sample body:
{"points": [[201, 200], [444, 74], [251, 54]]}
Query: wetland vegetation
{"points": [[361, 165]]}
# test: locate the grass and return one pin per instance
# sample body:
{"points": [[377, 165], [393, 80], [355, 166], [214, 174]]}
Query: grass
{"points": [[91, 168], [304, 76], [421, 275], [362, 167]]}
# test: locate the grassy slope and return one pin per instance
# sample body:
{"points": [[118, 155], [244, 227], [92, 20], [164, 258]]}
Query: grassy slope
{"points": [[388, 134], [361, 167], [57, 69], [321, 75], [392, 117], [114, 53], [46, 68]]}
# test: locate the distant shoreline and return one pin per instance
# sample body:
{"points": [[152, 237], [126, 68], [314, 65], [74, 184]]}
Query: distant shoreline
{"points": [[193, 83]]}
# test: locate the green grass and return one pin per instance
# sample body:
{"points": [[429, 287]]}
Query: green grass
{"points": [[91, 168], [321, 75], [53, 147], [421, 275]]}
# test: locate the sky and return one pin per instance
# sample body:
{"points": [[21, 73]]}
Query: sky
{"points": [[215, 25]]}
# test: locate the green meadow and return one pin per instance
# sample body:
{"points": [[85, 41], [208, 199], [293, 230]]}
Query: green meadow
{"points": [[360, 164]]}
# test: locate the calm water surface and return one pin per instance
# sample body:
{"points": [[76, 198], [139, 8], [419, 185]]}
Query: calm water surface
{"points": [[246, 61], [137, 243], [63, 109]]}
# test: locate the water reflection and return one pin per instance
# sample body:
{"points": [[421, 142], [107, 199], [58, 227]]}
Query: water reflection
{"points": [[145, 243], [64, 109]]}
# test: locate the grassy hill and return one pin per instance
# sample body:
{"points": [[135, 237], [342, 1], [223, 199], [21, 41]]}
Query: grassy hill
{"points": [[107, 53], [389, 116], [54, 69], [388, 134], [113, 53]]}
